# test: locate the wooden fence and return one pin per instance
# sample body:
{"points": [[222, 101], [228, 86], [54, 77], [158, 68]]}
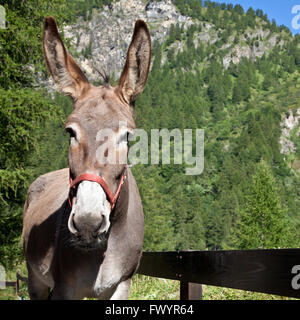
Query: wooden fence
{"points": [[267, 271], [16, 284]]}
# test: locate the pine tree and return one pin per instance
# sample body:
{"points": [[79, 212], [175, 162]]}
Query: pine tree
{"points": [[159, 234], [267, 81], [237, 95], [214, 227], [262, 222], [23, 108]]}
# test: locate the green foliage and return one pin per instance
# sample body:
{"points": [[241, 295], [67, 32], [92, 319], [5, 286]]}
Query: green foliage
{"points": [[263, 220], [84, 8], [20, 43], [23, 108], [242, 127]]}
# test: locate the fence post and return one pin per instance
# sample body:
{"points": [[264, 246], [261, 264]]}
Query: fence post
{"points": [[17, 284], [190, 291]]}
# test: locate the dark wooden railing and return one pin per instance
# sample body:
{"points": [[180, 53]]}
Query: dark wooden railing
{"points": [[265, 271], [16, 284]]}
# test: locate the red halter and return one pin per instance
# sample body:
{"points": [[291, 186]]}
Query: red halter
{"points": [[112, 198]]}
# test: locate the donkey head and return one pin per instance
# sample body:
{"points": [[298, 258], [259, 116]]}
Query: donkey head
{"points": [[98, 127]]}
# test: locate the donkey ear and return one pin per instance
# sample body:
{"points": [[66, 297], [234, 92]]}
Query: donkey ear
{"points": [[66, 74], [135, 73]]}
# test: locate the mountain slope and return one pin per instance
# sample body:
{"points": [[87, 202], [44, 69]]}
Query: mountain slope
{"points": [[214, 66], [103, 39]]}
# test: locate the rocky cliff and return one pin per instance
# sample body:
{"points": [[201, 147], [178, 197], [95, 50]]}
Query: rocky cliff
{"points": [[289, 123], [101, 43]]}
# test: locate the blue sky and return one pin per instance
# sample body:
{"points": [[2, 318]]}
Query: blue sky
{"points": [[280, 10]]}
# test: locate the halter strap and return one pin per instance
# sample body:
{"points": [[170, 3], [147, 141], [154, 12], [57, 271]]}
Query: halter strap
{"points": [[112, 198]]}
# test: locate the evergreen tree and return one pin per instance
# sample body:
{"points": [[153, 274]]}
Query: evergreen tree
{"points": [[214, 227], [237, 95], [263, 219], [22, 109], [267, 81]]}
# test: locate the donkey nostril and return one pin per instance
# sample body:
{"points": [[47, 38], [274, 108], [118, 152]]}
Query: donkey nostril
{"points": [[87, 225], [72, 226], [96, 230], [95, 235]]}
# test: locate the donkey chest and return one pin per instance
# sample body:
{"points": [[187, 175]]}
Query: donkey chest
{"points": [[95, 278]]}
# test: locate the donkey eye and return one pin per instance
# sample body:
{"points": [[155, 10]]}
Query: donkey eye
{"points": [[71, 132]]}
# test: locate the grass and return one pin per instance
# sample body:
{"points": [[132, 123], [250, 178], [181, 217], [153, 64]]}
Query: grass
{"points": [[148, 288]]}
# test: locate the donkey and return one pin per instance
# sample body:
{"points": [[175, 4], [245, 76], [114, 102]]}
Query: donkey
{"points": [[83, 226]]}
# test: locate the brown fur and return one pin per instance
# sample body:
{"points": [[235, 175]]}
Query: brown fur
{"points": [[53, 261]]}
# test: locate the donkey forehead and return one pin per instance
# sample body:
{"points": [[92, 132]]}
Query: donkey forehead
{"points": [[101, 108]]}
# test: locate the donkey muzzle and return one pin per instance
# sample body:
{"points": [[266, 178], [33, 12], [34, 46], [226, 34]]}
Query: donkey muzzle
{"points": [[89, 217]]}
